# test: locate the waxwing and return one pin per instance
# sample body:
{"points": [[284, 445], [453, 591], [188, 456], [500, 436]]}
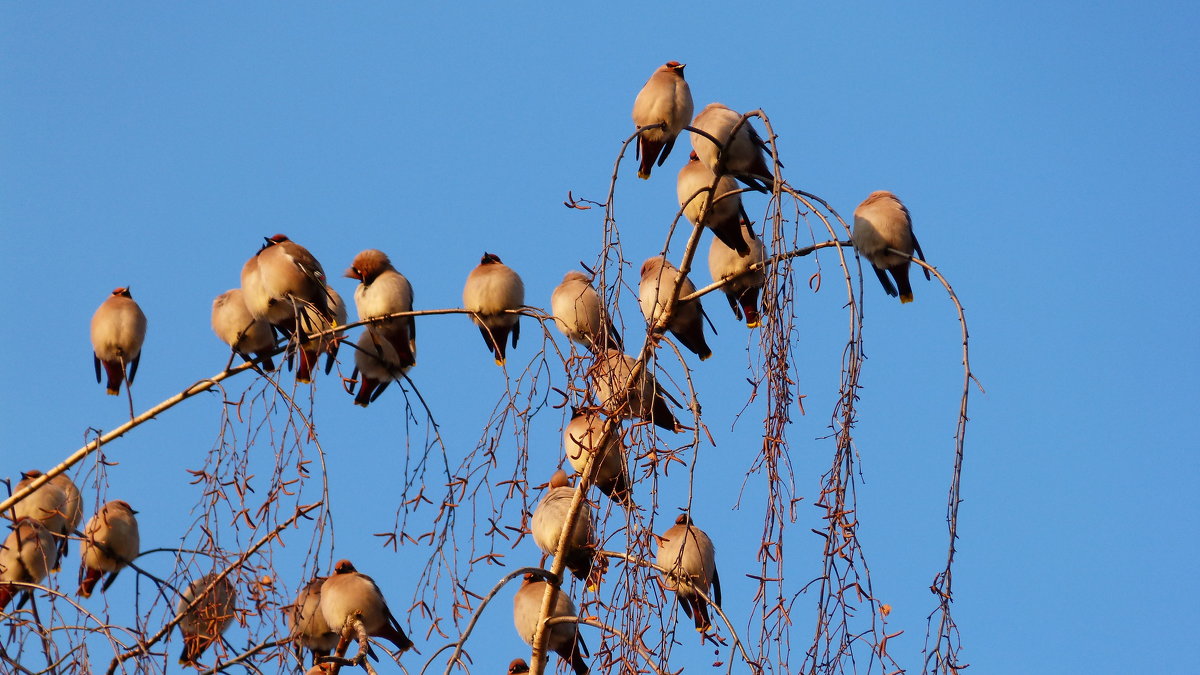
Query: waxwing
{"points": [[724, 214], [27, 556], [118, 330], [665, 99], [517, 667], [306, 622], [659, 278], [688, 554], [346, 591], [743, 156], [580, 314], [285, 285], [110, 542], [609, 373], [203, 624], [491, 289], [548, 520], [56, 504], [385, 291], [882, 222], [238, 328], [564, 638], [743, 284], [580, 440], [375, 366]]}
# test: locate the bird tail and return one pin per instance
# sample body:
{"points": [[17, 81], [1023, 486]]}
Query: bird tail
{"points": [[90, 579], [308, 359], [116, 375], [749, 302], [6, 594], [901, 275]]}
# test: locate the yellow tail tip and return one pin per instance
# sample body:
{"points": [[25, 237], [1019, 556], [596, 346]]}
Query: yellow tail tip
{"points": [[500, 362], [304, 380], [706, 356], [643, 175], [905, 299], [112, 392], [753, 324]]}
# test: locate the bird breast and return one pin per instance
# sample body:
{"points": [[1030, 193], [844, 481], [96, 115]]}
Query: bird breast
{"points": [[118, 330], [389, 293], [492, 289], [551, 514]]}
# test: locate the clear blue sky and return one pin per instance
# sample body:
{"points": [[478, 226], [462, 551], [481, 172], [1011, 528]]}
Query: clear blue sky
{"points": [[1039, 146]]}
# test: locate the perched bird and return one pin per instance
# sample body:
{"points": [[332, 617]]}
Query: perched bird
{"points": [[659, 278], [580, 440], [27, 556], [742, 156], [375, 365], [306, 622], [723, 216], [665, 99], [744, 284], [118, 330], [580, 314], [56, 505], [333, 342], [238, 328], [279, 284], [347, 591], [110, 542], [204, 623], [610, 372], [491, 289], [882, 222], [687, 552], [550, 517], [517, 667], [385, 291], [564, 638]]}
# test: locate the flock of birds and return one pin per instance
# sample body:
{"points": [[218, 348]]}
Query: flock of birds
{"points": [[284, 292]]}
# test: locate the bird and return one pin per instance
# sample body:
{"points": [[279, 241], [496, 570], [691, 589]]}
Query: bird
{"points": [[347, 591], [242, 331], [580, 314], [687, 553], [491, 289], [110, 542], [550, 517], [118, 330], [580, 440], [517, 667], [306, 622], [56, 504], [333, 342], [665, 99], [564, 638], [278, 284], [385, 291], [882, 222], [27, 556], [742, 285], [724, 214], [610, 372], [659, 278], [743, 154], [203, 624], [376, 366]]}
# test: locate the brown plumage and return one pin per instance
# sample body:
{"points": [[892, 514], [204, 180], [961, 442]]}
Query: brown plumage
{"points": [[306, 623], [242, 331], [492, 288], [347, 591], [563, 638], [743, 153], [385, 291], [882, 222], [27, 556], [118, 330], [375, 366], [688, 554], [549, 519], [665, 99], [744, 284], [203, 624], [609, 473], [659, 278], [110, 542], [723, 215], [609, 373], [517, 667], [56, 504], [285, 285], [580, 314]]}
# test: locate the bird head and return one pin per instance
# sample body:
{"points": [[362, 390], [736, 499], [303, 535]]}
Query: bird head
{"points": [[122, 292], [684, 519], [489, 259], [343, 567]]}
